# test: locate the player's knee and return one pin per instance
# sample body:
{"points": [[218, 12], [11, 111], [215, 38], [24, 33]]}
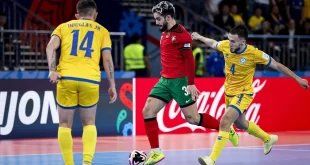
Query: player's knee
{"points": [[87, 122], [65, 123], [241, 125], [149, 112], [225, 122], [191, 120]]}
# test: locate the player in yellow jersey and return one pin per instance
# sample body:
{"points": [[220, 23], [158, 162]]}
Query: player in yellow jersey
{"points": [[82, 42], [240, 62]]}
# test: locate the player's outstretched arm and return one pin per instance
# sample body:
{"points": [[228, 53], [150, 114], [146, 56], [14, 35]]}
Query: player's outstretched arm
{"points": [[283, 69], [51, 48], [109, 70], [208, 41]]}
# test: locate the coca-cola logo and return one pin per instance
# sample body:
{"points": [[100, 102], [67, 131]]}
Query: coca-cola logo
{"points": [[169, 118]]}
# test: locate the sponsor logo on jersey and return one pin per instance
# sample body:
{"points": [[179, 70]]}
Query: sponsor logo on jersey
{"points": [[266, 56], [242, 60], [187, 45]]}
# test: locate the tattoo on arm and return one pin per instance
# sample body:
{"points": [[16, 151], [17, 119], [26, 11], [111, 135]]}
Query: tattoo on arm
{"points": [[53, 61], [111, 72]]}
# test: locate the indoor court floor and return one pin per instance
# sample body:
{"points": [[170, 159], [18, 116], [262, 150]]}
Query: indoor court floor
{"points": [[293, 148]]}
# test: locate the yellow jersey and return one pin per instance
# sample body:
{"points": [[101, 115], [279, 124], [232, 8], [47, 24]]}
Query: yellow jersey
{"points": [[256, 22], [82, 42], [306, 9], [240, 67]]}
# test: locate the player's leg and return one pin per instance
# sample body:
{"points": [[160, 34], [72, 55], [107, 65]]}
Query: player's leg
{"points": [[66, 97], [89, 136], [207, 121], [88, 99], [235, 108], [253, 129], [178, 90], [158, 98], [227, 120]]}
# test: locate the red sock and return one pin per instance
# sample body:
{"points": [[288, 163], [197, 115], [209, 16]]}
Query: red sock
{"points": [[208, 121], [151, 128]]}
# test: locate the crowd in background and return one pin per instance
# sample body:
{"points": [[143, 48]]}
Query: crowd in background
{"points": [[260, 16]]}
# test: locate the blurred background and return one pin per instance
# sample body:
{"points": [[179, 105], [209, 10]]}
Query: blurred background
{"points": [[281, 28]]}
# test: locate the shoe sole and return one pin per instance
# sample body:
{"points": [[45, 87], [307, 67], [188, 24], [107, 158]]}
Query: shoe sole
{"points": [[155, 162], [201, 161], [272, 146], [269, 151]]}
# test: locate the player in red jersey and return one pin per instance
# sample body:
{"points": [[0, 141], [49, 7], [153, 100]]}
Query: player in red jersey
{"points": [[176, 82]]}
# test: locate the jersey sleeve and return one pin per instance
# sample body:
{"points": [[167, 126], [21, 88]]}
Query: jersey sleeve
{"points": [[57, 32], [106, 43], [185, 41], [220, 45], [262, 58]]}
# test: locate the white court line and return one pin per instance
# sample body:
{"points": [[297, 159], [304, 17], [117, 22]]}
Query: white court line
{"points": [[171, 150], [134, 107], [275, 149]]}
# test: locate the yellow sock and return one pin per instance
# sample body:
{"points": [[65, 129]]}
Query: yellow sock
{"points": [[258, 132], [219, 145], [89, 142], [65, 143]]}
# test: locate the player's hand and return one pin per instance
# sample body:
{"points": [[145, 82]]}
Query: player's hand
{"points": [[193, 91], [112, 94], [303, 83], [195, 36], [53, 76]]}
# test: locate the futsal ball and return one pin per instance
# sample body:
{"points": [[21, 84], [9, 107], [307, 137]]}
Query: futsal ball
{"points": [[137, 157]]}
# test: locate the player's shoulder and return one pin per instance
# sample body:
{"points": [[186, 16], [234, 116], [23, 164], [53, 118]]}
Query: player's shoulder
{"points": [[222, 43], [181, 34], [102, 28], [253, 50]]}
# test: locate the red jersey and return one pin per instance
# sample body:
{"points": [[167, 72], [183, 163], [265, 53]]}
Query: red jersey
{"points": [[172, 43]]}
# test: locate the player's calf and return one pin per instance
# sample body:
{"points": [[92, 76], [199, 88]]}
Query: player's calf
{"points": [[64, 134], [89, 136]]}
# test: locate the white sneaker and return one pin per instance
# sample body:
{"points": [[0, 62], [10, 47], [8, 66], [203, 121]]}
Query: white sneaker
{"points": [[205, 160], [268, 146]]}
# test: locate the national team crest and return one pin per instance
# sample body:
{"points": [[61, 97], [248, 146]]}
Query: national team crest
{"points": [[242, 60], [168, 35], [173, 38]]}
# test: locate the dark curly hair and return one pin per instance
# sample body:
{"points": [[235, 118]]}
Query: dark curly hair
{"points": [[164, 8]]}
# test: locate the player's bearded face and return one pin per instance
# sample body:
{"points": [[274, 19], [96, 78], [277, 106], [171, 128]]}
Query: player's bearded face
{"points": [[235, 47], [164, 26], [235, 43], [161, 22]]}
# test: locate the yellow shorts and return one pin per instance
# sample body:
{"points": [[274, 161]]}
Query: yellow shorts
{"points": [[72, 94], [239, 102]]}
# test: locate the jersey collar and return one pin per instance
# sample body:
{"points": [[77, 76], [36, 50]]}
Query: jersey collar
{"points": [[176, 28], [85, 19], [246, 45]]}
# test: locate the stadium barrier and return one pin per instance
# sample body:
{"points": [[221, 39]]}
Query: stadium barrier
{"points": [[28, 110], [26, 48], [279, 104], [28, 107]]}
